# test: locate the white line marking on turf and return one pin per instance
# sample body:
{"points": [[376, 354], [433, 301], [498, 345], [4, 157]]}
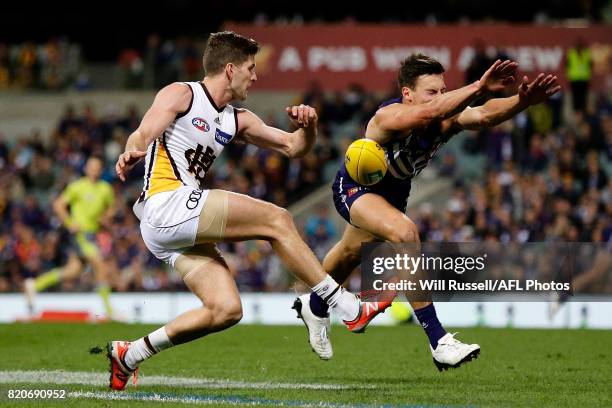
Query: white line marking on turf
{"points": [[88, 378], [202, 399]]}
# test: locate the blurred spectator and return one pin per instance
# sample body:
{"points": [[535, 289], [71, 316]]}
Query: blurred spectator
{"points": [[5, 74], [320, 232], [168, 64], [26, 66], [131, 69], [191, 59], [314, 95], [480, 62], [150, 61], [535, 159], [594, 177], [35, 178], [578, 72], [53, 65], [540, 179]]}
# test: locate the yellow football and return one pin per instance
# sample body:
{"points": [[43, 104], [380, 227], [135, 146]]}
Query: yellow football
{"points": [[365, 162]]}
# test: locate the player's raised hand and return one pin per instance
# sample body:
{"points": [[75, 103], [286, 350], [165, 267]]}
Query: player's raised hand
{"points": [[538, 90], [126, 161], [302, 116], [498, 76]]}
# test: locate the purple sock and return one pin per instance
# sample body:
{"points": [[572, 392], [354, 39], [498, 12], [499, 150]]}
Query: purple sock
{"points": [[318, 305], [430, 323]]}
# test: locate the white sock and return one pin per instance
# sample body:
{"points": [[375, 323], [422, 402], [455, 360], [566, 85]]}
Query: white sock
{"points": [[344, 303], [147, 346]]}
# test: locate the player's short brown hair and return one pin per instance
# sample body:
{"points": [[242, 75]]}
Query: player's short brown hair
{"points": [[414, 66], [227, 47]]}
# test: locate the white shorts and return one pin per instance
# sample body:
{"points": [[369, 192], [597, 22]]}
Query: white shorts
{"points": [[169, 221]]}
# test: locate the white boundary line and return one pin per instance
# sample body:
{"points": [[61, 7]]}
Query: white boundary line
{"points": [[202, 399], [101, 379]]}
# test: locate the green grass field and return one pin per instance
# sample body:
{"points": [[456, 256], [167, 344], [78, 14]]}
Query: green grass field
{"points": [[273, 366]]}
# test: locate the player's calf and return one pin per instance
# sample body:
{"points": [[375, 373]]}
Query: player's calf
{"points": [[213, 317]]}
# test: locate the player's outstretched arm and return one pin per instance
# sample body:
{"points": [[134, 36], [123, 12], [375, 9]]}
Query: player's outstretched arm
{"points": [[169, 102], [496, 111], [402, 117], [253, 130]]}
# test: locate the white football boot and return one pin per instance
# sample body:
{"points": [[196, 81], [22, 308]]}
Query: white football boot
{"points": [[318, 327], [451, 353]]}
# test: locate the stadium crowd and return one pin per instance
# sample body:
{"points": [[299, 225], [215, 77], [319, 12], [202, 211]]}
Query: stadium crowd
{"points": [[541, 183], [52, 65], [545, 178], [35, 169], [58, 64]]}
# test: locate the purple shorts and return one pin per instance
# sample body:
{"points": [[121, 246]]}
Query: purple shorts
{"points": [[346, 191]]}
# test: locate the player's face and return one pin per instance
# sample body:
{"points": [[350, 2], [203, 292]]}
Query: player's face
{"points": [[427, 87], [244, 76], [93, 169]]}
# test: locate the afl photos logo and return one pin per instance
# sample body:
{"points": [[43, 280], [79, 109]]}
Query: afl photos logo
{"points": [[200, 124]]}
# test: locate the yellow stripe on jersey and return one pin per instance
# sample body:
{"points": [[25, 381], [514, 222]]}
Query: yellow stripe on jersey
{"points": [[163, 177]]}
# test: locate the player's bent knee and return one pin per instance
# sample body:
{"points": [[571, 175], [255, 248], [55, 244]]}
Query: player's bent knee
{"points": [[404, 234], [227, 313], [351, 252], [282, 222], [233, 316]]}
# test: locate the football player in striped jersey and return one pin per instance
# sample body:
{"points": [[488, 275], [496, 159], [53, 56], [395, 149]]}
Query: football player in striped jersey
{"points": [[181, 220], [411, 129]]}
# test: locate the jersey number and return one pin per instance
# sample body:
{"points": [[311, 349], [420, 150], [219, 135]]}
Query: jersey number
{"points": [[200, 161]]}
